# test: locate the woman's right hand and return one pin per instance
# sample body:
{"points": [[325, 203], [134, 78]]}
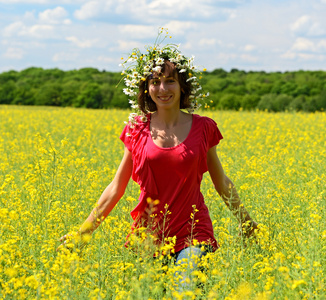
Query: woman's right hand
{"points": [[65, 240], [75, 240]]}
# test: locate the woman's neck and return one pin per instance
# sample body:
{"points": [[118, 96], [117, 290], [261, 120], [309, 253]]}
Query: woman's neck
{"points": [[168, 118]]}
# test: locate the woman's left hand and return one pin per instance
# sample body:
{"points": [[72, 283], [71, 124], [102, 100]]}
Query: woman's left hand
{"points": [[248, 229]]}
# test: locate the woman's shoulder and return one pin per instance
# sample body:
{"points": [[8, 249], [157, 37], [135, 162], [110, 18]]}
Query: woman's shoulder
{"points": [[203, 120], [209, 130], [137, 122]]}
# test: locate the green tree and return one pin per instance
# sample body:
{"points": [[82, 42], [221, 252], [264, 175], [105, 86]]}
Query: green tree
{"points": [[289, 88], [8, 76], [219, 73], [266, 102], [281, 102], [297, 103], [229, 101], [90, 96], [119, 99], [7, 92], [69, 92], [49, 94], [107, 92], [321, 100], [25, 94], [249, 101]]}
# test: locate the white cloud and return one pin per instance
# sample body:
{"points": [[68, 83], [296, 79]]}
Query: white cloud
{"points": [[307, 50], [322, 45], [306, 25], [105, 59], [64, 57], [14, 53], [41, 27], [13, 29], [54, 16], [219, 33], [153, 11], [248, 58], [225, 57], [83, 43], [302, 24], [207, 42], [191, 9], [180, 27], [316, 30], [29, 17], [42, 1], [92, 9], [305, 56], [25, 1], [39, 31], [35, 31], [289, 55], [173, 7], [138, 31], [303, 44], [125, 46], [249, 48]]}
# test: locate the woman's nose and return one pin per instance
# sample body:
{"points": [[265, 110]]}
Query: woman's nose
{"points": [[163, 86]]}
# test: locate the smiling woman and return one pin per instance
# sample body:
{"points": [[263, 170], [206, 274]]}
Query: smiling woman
{"points": [[168, 79], [164, 89], [167, 151], [159, 62]]}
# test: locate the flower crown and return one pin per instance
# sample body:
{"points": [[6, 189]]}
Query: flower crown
{"points": [[139, 66]]}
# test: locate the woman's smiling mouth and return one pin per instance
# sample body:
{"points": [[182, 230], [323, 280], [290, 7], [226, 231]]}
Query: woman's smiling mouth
{"points": [[164, 98]]}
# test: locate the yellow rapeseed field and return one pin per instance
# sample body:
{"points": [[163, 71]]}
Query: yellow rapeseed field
{"points": [[55, 163]]}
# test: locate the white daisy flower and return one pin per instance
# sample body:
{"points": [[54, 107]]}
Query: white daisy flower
{"points": [[131, 60], [159, 61], [192, 78], [157, 69], [130, 92]]}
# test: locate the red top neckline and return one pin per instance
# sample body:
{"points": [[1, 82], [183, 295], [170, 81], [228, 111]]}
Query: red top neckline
{"points": [[176, 146]]}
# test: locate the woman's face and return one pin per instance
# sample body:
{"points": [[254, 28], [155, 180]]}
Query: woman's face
{"points": [[165, 91]]}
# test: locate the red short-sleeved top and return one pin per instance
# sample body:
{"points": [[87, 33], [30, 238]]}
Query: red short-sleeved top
{"points": [[173, 176]]}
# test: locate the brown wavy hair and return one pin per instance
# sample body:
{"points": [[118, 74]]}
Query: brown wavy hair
{"points": [[145, 102]]}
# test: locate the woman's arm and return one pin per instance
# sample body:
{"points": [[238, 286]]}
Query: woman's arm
{"points": [[228, 192], [109, 198]]}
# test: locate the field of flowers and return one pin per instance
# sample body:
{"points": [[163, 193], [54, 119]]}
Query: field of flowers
{"points": [[55, 163]]}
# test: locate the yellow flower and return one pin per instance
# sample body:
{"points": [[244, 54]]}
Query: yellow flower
{"points": [[297, 283], [11, 272]]}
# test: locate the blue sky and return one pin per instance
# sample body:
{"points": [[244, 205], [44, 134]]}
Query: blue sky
{"points": [[270, 35]]}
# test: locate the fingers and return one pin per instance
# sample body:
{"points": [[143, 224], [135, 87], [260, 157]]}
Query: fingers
{"points": [[63, 238], [64, 241], [248, 229], [73, 241]]}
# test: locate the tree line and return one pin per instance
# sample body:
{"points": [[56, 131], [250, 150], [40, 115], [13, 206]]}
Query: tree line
{"points": [[92, 88]]}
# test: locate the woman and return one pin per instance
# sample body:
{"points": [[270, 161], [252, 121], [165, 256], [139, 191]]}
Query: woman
{"points": [[167, 151]]}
